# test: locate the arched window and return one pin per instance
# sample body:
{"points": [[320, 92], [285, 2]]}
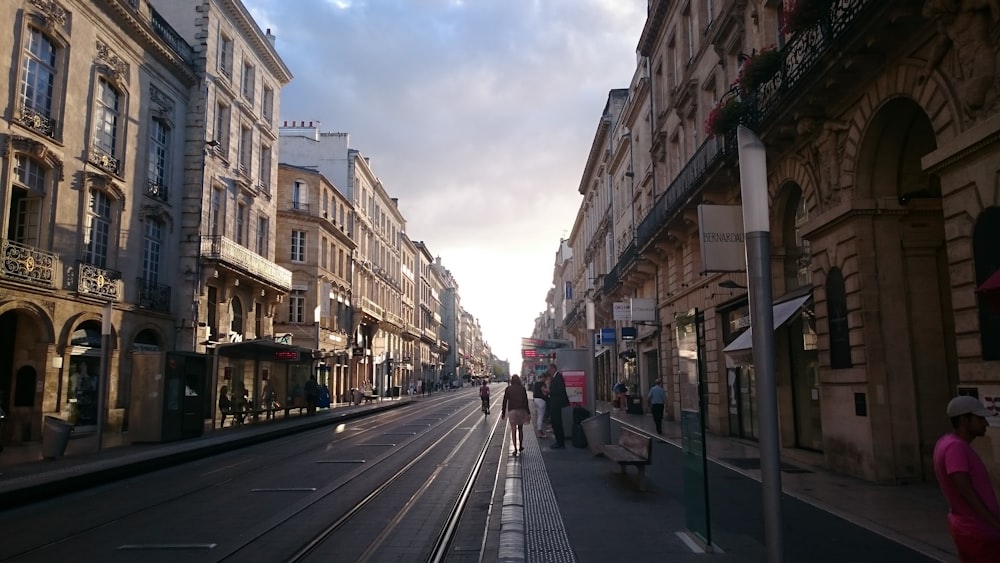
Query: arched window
{"points": [[39, 71], [986, 253], [236, 313], [797, 257], [836, 304], [107, 127]]}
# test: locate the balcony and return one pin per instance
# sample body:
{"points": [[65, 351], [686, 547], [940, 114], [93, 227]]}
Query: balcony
{"points": [[105, 161], [393, 319], [153, 296], [370, 308], [98, 282], [241, 259], [156, 189], [26, 264], [162, 29], [37, 121]]}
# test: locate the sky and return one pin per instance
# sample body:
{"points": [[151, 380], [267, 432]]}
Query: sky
{"points": [[477, 114]]}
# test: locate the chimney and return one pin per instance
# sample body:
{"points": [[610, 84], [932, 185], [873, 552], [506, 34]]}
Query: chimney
{"points": [[270, 38]]}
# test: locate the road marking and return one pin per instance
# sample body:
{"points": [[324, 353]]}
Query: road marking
{"points": [[340, 461], [285, 490], [390, 445], [168, 546], [400, 434]]}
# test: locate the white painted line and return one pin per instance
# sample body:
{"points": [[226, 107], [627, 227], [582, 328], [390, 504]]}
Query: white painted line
{"points": [[390, 445], [285, 490], [168, 546], [400, 434], [690, 543], [340, 461]]}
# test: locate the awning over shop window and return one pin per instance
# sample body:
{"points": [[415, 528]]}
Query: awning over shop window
{"points": [[783, 312]]}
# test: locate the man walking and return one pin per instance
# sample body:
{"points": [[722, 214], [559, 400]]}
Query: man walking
{"points": [[557, 400], [974, 515], [657, 397]]}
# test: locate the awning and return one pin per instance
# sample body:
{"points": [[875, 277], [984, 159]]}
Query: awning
{"points": [[989, 290], [782, 313]]}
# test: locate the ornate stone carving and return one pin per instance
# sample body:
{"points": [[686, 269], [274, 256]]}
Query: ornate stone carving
{"points": [[51, 13], [115, 65], [161, 99], [38, 150], [825, 154], [967, 50]]}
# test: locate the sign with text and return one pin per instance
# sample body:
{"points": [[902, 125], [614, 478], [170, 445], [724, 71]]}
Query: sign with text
{"points": [[643, 309], [723, 246], [576, 384], [607, 336], [622, 311]]}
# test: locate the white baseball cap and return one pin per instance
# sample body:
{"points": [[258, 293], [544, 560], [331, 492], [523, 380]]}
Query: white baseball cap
{"points": [[967, 404]]}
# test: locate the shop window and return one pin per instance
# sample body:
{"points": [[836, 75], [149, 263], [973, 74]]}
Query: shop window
{"points": [[986, 252], [836, 303]]}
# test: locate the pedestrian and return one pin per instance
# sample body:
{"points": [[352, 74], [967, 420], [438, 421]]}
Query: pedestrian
{"points": [[515, 409], [267, 398], [974, 515], [621, 394], [657, 398], [557, 400], [311, 391], [225, 404], [540, 395]]}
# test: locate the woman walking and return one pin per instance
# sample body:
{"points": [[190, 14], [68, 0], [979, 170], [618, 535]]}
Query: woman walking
{"points": [[515, 403]]}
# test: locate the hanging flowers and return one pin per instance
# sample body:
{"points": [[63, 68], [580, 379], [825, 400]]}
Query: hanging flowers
{"points": [[758, 68], [724, 116], [802, 14]]}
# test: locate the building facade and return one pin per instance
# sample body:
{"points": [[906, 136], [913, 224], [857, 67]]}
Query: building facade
{"points": [[91, 181], [882, 193]]}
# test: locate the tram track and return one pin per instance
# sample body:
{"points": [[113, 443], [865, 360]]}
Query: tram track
{"points": [[430, 419]]}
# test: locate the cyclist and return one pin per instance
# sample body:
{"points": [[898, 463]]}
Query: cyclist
{"points": [[484, 394]]}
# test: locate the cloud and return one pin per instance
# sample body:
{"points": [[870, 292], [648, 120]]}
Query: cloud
{"points": [[477, 115]]}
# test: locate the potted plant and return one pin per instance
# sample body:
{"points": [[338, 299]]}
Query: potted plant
{"points": [[758, 68], [803, 14], [724, 116]]}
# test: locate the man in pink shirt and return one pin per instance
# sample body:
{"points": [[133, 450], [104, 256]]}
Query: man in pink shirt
{"points": [[974, 518]]}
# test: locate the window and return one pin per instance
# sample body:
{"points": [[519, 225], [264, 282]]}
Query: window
{"points": [[236, 316], [246, 149], [300, 195], [986, 259], [26, 201], [264, 174], [159, 159], [248, 82], [263, 240], [836, 304], [298, 246], [151, 251], [689, 35], [267, 105], [98, 234], [296, 306], [38, 79], [214, 213], [241, 224], [106, 122], [226, 56], [221, 133]]}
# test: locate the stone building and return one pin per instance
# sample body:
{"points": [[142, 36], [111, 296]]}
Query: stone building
{"points": [[428, 318], [315, 245], [91, 178], [882, 132]]}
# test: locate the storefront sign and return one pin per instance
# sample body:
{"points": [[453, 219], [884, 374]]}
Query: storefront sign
{"points": [[622, 311], [722, 240], [575, 387], [643, 309]]}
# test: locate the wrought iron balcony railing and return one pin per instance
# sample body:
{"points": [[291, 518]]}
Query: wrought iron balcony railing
{"points": [[106, 161], [24, 263], [228, 252], [171, 37], [156, 189], [37, 121], [153, 295], [98, 282]]}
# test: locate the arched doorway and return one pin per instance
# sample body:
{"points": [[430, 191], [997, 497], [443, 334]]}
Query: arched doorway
{"points": [[906, 285], [26, 337], [84, 373]]}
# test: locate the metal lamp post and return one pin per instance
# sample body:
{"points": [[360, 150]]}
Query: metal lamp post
{"points": [[757, 229]]}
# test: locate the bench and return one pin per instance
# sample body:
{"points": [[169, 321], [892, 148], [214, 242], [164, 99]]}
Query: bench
{"points": [[369, 398], [632, 448]]}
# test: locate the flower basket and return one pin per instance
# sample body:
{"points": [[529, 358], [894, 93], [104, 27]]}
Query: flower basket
{"points": [[758, 68], [724, 116], [803, 14]]}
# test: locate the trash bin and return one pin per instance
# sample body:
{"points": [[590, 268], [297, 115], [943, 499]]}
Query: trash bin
{"points": [[598, 431], [55, 437], [357, 396], [579, 438]]}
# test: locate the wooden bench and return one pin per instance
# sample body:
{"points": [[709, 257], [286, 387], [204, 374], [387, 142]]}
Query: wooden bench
{"points": [[632, 449]]}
